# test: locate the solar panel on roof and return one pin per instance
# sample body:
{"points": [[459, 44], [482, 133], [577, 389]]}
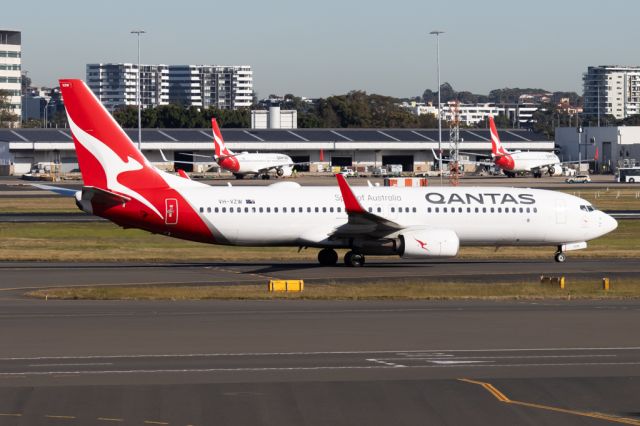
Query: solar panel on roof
{"points": [[43, 135], [188, 135], [364, 135], [147, 135]]}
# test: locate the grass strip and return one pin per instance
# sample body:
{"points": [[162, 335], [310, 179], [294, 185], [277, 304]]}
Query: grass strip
{"points": [[396, 290]]}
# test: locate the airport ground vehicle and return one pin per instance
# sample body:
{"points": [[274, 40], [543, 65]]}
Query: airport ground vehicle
{"points": [[578, 179], [347, 172], [420, 223], [628, 174], [380, 172]]}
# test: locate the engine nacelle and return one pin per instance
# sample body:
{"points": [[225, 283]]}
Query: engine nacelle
{"points": [[429, 243], [555, 170]]}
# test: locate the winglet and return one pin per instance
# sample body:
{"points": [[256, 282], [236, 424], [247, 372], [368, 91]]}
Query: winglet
{"points": [[351, 203], [183, 174]]}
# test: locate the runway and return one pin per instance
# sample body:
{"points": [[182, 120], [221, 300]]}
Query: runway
{"points": [[18, 277], [318, 363]]}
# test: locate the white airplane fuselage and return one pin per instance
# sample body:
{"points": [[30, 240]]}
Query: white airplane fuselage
{"points": [[286, 214], [256, 163]]}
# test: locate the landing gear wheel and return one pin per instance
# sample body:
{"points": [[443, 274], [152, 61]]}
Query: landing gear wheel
{"points": [[279, 172], [266, 176], [560, 257], [353, 259], [327, 257]]}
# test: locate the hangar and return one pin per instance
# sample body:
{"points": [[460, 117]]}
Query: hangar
{"points": [[326, 147]]}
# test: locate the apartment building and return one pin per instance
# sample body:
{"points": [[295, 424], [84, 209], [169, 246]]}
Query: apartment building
{"points": [[10, 69], [225, 87], [612, 90], [472, 114]]}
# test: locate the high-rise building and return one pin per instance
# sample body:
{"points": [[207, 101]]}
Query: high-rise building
{"points": [[10, 68], [116, 84], [612, 90], [226, 87]]}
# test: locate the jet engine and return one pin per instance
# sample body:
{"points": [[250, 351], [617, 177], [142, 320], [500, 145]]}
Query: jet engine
{"points": [[555, 170], [429, 243]]}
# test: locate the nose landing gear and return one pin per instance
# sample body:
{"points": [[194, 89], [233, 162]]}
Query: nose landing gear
{"points": [[560, 257]]}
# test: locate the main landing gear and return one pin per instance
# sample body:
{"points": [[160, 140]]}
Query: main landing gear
{"points": [[560, 256], [327, 257], [353, 259]]}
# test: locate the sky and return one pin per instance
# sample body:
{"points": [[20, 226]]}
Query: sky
{"points": [[329, 47]]}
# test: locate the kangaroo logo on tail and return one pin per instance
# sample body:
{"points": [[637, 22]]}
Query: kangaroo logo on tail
{"points": [[496, 146]]}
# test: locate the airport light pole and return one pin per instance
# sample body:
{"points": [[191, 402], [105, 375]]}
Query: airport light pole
{"points": [[138, 97], [437, 34]]}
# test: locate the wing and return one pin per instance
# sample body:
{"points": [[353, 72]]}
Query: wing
{"points": [[277, 166], [361, 223]]}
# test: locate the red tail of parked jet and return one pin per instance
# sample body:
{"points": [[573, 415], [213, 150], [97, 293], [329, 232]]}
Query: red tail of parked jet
{"points": [[496, 146], [119, 183]]}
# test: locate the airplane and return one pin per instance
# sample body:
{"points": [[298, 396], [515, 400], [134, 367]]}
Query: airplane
{"points": [[119, 184], [512, 163], [249, 163]]}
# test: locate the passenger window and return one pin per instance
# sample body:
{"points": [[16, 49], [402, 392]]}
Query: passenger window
{"points": [[459, 209], [230, 209], [492, 210], [246, 209], [535, 210], [216, 210], [339, 209], [484, 210], [521, 210], [379, 209], [284, 210], [317, 209], [201, 209], [499, 209], [437, 210], [528, 210], [308, 209], [393, 209], [415, 210], [300, 209], [331, 209], [477, 210], [444, 209], [468, 209], [514, 210], [253, 209], [224, 210], [268, 209], [260, 209], [370, 210], [428, 209], [208, 209]]}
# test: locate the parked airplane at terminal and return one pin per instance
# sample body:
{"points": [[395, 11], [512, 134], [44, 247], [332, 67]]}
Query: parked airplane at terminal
{"points": [[536, 163], [421, 223], [249, 163]]}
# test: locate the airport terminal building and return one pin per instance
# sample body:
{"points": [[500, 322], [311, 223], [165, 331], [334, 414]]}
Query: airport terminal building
{"points": [[320, 147]]}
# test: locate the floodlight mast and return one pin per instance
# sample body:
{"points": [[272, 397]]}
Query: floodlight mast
{"points": [[437, 34]]}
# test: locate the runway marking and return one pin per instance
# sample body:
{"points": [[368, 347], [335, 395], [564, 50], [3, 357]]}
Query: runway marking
{"points": [[109, 419], [10, 415], [153, 422], [441, 357], [421, 352], [71, 364], [503, 398], [317, 368], [50, 416], [388, 364]]}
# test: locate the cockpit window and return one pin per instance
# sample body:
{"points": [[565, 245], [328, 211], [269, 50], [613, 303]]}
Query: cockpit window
{"points": [[587, 208]]}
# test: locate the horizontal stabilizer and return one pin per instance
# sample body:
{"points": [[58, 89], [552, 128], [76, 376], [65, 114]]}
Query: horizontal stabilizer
{"points": [[103, 196], [67, 192]]}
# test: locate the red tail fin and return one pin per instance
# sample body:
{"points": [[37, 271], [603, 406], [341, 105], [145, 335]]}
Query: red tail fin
{"points": [[218, 141], [496, 146]]}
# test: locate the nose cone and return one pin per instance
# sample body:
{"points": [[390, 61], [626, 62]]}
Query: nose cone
{"points": [[609, 223]]}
